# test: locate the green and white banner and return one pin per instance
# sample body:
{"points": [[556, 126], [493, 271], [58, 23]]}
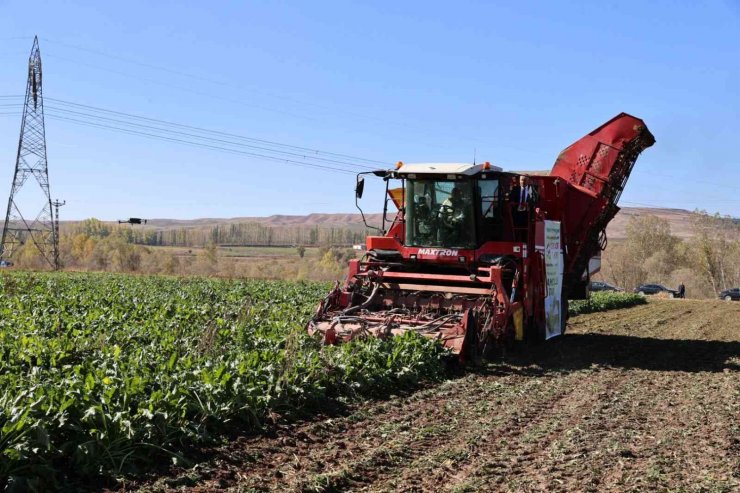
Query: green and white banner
{"points": [[554, 276]]}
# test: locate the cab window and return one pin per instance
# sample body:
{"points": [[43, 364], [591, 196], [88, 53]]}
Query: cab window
{"points": [[440, 213]]}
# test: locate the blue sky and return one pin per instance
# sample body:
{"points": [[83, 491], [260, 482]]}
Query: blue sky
{"points": [[512, 82]]}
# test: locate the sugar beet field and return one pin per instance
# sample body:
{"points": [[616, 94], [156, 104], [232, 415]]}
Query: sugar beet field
{"points": [[119, 383]]}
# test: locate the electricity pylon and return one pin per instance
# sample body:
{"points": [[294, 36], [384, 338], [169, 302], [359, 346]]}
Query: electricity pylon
{"points": [[31, 161]]}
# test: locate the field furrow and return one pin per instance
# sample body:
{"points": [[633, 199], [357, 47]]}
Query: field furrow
{"points": [[620, 404], [155, 384]]}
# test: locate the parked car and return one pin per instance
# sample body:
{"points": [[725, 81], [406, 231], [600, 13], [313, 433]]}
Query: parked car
{"points": [[602, 286], [655, 289], [732, 294]]}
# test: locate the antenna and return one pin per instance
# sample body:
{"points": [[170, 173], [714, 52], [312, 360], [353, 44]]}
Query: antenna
{"points": [[474, 156], [31, 162]]}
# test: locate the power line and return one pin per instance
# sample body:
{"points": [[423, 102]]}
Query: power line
{"points": [[135, 62], [210, 81], [81, 116], [169, 85], [118, 121], [198, 144], [308, 153], [218, 144], [642, 204], [214, 132]]}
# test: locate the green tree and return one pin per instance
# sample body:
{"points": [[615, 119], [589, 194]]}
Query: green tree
{"points": [[715, 249], [95, 227]]}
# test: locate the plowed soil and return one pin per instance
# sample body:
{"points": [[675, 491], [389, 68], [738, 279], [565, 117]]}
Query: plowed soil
{"points": [[640, 399]]}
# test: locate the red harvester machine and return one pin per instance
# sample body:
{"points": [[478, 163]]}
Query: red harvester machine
{"points": [[477, 256]]}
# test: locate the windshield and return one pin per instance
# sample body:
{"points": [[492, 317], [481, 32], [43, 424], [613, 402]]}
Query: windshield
{"points": [[440, 214]]}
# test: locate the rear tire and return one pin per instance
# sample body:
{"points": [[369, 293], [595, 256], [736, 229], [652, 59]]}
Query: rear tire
{"points": [[671, 295]]}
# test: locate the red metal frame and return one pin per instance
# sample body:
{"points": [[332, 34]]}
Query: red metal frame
{"points": [[474, 312]]}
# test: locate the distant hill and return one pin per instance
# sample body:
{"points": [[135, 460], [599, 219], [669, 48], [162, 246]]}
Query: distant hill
{"points": [[677, 218], [322, 220]]}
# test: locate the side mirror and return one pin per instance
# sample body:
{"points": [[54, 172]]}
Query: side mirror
{"points": [[360, 187]]}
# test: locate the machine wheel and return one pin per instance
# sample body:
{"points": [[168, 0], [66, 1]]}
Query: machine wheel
{"points": [[641, 293], [728, 298], [474, 343]]}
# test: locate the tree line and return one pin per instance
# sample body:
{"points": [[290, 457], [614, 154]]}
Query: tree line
{"points": [[706, 263], [244, 234]]}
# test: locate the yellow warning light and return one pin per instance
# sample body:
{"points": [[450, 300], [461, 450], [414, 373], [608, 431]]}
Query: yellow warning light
{"points": [[486, 165], [399, 164]]}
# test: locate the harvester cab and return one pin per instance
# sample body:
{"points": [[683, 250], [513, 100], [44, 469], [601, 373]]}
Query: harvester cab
{"points": [[476, 256]]}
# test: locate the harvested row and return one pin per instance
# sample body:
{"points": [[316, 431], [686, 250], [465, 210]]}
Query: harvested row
{"points": [[638, 399]]}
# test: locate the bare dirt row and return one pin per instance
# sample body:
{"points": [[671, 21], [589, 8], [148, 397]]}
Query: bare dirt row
{"points": [[640, 399]]}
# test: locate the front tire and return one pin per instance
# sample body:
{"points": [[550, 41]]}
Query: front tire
{"points": [[641, 293], [728, 298]]}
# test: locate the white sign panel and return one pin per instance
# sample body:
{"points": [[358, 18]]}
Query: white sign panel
{"points": [[554, 276]]}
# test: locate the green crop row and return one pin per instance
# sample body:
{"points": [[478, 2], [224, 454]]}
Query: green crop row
{"points": [[603, 301], [100, 373]]}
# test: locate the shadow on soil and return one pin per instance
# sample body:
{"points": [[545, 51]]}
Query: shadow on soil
{"points": [[581, 351], [572, 352]]}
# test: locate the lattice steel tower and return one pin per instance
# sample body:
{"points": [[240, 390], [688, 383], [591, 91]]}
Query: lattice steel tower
{"points": [[31, 162]]}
